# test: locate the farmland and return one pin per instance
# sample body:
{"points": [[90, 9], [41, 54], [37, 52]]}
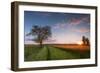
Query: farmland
{"points": [[73, 47], [55, 52]]}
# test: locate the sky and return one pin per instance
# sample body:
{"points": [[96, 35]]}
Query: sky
{"points": [[66, 28]]}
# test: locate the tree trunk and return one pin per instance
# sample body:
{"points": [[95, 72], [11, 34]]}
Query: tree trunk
{"points": [[41, 44]]}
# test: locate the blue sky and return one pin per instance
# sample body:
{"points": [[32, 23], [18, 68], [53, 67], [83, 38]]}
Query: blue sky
{"points": [[67, 28]]}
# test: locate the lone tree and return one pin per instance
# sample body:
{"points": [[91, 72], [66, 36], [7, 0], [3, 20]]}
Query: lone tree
{"points": [[40, 34]]}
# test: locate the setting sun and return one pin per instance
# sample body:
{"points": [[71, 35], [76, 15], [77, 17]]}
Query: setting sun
{"points": [[79, 43]]}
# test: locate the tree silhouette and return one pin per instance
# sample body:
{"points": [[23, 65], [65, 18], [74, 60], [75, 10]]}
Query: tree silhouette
{"points": [[40, 33], [85, 40]]}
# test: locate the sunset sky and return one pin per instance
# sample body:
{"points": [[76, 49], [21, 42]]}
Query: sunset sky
{"points": [[67, 28]]}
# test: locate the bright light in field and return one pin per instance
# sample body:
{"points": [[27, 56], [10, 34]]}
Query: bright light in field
{"points": [[79, 43]]}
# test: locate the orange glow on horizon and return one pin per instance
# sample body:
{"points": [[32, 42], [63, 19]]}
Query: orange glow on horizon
{"points": [[79, 43]]}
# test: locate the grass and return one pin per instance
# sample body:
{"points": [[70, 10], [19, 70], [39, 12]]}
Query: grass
{"points": [[49, 52]]}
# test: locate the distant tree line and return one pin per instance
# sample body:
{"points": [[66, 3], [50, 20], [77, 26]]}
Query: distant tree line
{"points": [[85, 40]]}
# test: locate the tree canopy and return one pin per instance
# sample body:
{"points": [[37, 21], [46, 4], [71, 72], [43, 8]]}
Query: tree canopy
{"points": [[40, 33]]}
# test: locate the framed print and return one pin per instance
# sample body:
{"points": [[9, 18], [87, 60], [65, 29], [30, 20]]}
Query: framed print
{"points": [[52, 36]]}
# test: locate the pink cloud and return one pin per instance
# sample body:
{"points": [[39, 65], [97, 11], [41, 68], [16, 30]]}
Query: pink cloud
{"points": [[81, 30], [75, 21]]}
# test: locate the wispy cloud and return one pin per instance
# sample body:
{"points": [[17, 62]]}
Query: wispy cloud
{"points": [[81, 30], [71, 22], [77, 21], [59, 25]]}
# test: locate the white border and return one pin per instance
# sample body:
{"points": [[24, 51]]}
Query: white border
{"points": [[23, 64]]}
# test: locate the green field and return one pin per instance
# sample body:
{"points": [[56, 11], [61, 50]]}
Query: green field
{"points": [[49, 52]]}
